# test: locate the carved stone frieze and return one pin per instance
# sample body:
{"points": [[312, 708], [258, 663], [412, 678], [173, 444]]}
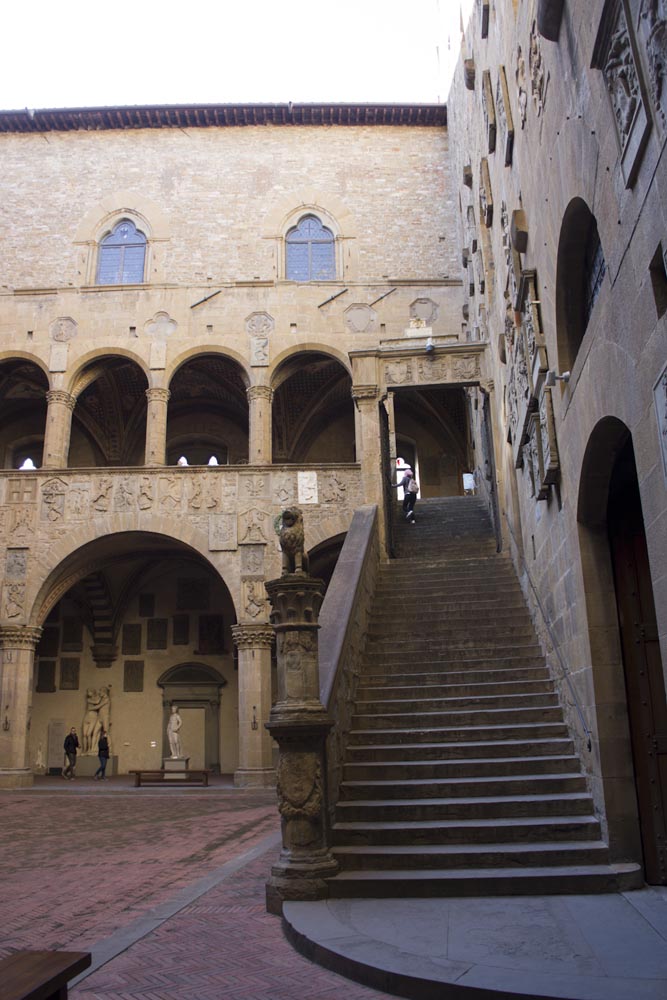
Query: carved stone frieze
{"points": [[504, 117], [485, 195], [360, 318], [425, 309], [259, 323], [299, 789], [539, 79], [283, 488], [13, 605], [63, 329], [222, 532], [613, 54], [521, 85], [54, 492], [102, 493], [16, 564], [254, 526], [488, 111], [333, 488], [307, 487], [652, 27], [254, 600], [550, 458], [171, 493]]}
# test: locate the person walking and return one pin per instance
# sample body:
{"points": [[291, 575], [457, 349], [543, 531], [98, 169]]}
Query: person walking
{"points": [[70, 746], [410, 488], [102, 756]]}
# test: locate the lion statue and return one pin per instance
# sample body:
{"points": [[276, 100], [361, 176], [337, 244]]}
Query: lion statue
{"points": [[295, 559]]}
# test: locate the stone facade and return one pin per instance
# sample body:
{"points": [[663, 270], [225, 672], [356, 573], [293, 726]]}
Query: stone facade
{"points": [[146, 575], [571, 294]]}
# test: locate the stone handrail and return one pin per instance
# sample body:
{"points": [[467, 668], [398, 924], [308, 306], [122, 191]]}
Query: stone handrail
{"points": [[343, 625]]}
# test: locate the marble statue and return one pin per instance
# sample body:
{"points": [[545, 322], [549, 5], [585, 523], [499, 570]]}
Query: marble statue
{"points": [[173, 733]]}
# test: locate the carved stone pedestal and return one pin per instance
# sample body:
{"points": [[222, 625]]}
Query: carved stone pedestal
{"points": [[299, 724]]}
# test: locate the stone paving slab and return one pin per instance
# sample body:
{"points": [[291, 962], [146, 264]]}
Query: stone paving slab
{"points": [[600, 947]]}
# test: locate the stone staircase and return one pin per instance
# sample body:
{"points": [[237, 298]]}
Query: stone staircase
{"points": [[460, 774]]}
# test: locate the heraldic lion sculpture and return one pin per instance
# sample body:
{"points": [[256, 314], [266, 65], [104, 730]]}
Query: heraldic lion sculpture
{"points": [[295, 559]]}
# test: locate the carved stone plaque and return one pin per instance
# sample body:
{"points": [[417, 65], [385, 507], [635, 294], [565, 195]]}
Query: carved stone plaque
{"points": [[307, 487], [222, 533]]}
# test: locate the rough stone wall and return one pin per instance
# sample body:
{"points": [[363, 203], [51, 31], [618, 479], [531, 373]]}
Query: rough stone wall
{"points": [[217, 188], [566, 145]]}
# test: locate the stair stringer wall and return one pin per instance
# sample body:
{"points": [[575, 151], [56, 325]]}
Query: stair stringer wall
{"points": [[344, 619]]}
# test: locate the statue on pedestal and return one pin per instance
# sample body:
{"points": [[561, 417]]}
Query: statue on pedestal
{"points": [[173, 733]]}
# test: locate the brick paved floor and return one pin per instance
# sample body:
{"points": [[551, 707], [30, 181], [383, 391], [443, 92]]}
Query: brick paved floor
{"points": [[80, 862]]}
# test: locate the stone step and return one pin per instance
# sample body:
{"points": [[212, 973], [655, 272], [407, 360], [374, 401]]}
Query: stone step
{"points": [[529, 731], [488, 767], [499, 830], [415, 680], [509, 656], [462, 718], [556, 880], [454, 787], [455, 751], [377, 693], [463, 807], [446, 631], [457, 856], [430, 703]]}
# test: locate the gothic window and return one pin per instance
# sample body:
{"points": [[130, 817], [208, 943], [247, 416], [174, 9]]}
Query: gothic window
{"points": [[122, 256], [581, 271], [310, 251], [594, 270]]}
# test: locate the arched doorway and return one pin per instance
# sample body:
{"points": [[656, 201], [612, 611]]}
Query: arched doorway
{"points": [[195, 688], [627, 666]]}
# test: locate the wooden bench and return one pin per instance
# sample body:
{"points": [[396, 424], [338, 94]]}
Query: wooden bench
{"points": [[190, 777], [40, 975]]}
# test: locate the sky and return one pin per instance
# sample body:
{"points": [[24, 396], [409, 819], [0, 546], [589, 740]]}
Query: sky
{"points": [[86, 54]]}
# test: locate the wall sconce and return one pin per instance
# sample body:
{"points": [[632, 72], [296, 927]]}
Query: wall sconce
{"points": [[430, 347], [254, 724], [552, 378]]}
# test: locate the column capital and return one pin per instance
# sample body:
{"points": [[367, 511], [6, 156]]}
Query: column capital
{"points": [[364, 393], [259, 392], [258, 636], [61, 397], [20, 636], [158, 395]]}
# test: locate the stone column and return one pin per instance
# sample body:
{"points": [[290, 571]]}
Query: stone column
{"points": [[299, 723], [17, 656], [254, 642], [369, 448], [260, 398], [156, 426], [58, 427]]}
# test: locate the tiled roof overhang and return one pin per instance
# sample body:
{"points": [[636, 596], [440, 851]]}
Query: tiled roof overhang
{"points": [[220, 116]]}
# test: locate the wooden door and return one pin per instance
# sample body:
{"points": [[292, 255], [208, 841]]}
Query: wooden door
{"points": [[644, 680]]}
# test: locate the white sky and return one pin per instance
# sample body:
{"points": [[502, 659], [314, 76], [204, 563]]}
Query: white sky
{"points": [[115, 52]]}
